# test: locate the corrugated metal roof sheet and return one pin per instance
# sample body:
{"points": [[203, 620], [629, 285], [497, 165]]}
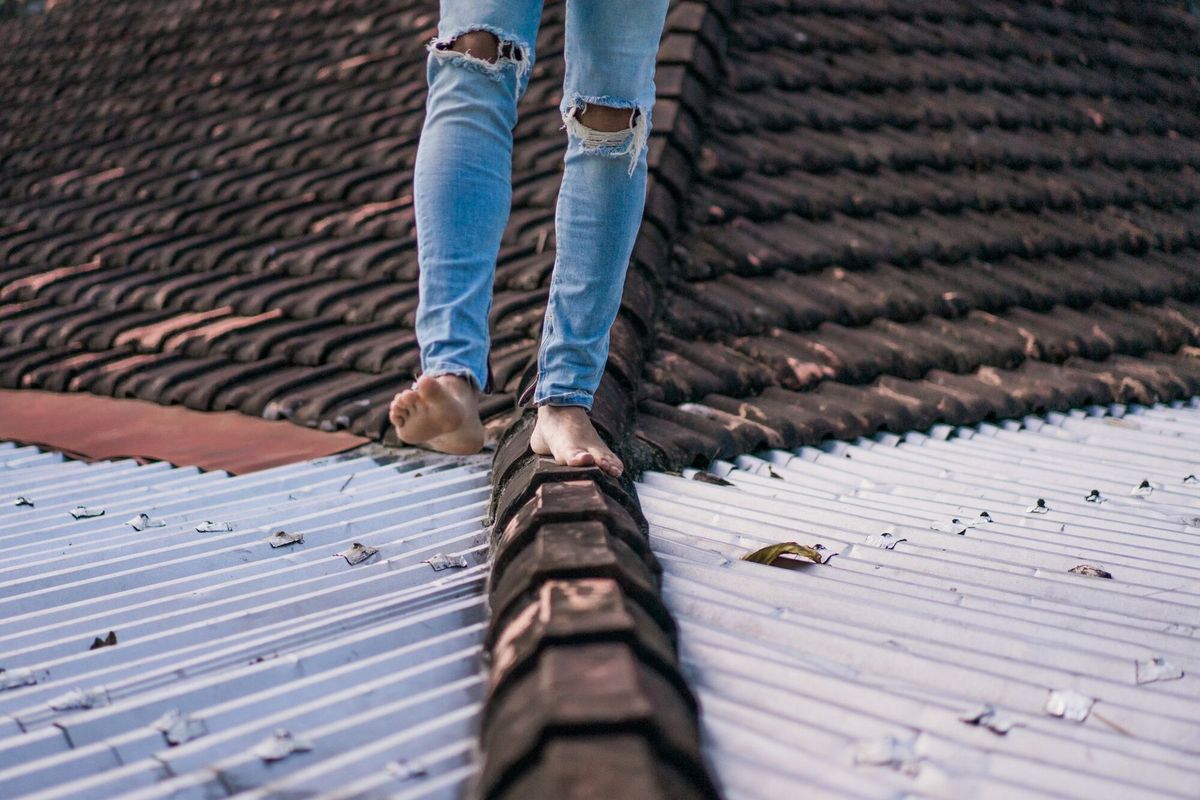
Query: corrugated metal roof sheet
{"points": [[244, 662], [961, 638], [937, 651]]}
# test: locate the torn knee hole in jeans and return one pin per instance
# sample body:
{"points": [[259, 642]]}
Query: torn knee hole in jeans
{"points": [[629, 141], [509, 51]]}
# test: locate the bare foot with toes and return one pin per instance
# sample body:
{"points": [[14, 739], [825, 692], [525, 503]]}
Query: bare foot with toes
{"points": [[441, 413], [566, 433]]}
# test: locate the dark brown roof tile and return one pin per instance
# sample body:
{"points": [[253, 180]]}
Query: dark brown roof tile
{"points": [[578, 708], [911, 198], [566, 550]]}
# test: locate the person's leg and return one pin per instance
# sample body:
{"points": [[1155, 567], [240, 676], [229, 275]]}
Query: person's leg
{"points": [[608, 93], [477, 68]]}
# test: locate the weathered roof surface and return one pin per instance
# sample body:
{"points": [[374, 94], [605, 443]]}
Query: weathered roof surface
{"points": [[211, 204], [170, 662], [911, 212], [973, 580], [225, 223], [587, 697], [244, 177], [92, 427]]}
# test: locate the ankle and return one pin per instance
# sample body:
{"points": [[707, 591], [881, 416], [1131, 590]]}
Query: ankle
{"points": [[458, 385], [562, 412]]}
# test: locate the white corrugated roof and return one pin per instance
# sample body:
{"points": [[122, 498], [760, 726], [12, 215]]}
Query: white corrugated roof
{"points": [[936, 652], [240, 667], [916, 660]]}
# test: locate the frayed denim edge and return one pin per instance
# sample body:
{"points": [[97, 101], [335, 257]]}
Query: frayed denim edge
{"points": [[492, 69], [529, 398], [462, 372], [613, 144], [566, 399]]}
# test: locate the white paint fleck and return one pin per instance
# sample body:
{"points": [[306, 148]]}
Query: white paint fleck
{"points": [[1069, 704]]}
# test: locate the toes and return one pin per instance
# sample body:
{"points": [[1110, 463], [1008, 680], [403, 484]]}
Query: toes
{"points": [[580, 458], [428, 389], [403, 406], [607, 462]]}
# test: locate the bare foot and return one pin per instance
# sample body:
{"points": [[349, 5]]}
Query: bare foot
{"points": [[566, 433], [441, 413]]}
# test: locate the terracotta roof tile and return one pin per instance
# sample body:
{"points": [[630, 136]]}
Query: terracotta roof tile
{"points": [[238, 175], [861, 215], [954, 205]]}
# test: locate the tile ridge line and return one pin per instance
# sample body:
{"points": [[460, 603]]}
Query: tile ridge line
{"points": [[581, 650]]}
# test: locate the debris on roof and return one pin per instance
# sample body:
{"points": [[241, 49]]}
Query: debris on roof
{"points": [[861, 216], [944, 664], [153, 661], [142, 521], [772, 555]]}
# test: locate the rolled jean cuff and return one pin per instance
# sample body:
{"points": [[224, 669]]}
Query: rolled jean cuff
{"points": [[436, 370], [575, 398]]}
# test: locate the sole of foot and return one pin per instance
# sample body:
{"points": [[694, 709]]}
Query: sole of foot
{"points": [[440, 413], [566, 434]]}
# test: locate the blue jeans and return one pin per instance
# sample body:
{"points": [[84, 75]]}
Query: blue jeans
{"points": [[462, 190]]}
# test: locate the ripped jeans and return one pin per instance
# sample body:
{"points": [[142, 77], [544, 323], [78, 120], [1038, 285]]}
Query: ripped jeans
{"points": [[463, 185]]}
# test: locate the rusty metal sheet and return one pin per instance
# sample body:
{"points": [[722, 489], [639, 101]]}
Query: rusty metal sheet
{"points": [[97, 428]]}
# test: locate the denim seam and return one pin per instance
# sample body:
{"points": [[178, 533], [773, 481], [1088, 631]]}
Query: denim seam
{"points": [[547, 333], [565, 399]]}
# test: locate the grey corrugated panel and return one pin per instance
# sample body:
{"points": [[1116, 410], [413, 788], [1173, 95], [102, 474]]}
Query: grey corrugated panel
{"points": [[331, 517], [371, 666], [880, 652]]}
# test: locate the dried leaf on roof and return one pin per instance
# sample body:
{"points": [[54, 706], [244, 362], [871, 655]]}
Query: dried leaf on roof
{"points": [[178, 727], [779, 555], [1156, 669], [107, 641], [143, 521], [94, 697], [885, 541], [358, 553], [1088, 569], [281, 744], [986, 716], [441, 561], [284, 538], [84, 512]]}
